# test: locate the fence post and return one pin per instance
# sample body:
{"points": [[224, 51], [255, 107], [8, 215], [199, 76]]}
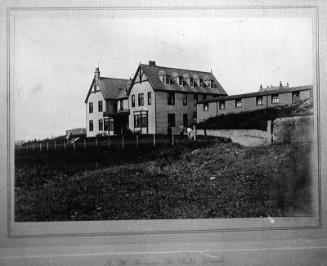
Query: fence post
{"points": [[122, 142], [172, 140], [40, 146], [55, 145], [84, 143], [47, 146], [109, 143], [64, 145], [194, 129], [269, 131], [154, 139], [96, 142], [74, 146], [27, 147], [33, 146], [137, 141]]}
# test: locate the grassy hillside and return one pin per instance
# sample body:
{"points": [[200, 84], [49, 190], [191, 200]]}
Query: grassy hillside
{"points": [[185, 181], [257, 119]]}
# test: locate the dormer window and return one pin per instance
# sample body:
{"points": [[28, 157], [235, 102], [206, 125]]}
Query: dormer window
{"points": [[212, 84], [201, 83], [180, 81], [191, 82], [166, 80]]}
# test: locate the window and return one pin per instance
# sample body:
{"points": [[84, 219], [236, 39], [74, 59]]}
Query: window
{"points": [[121, 103], [100, 124], [180, 81], [166, 79], [212, 83], [106, 124], [133, 100], [171, 120], [149, 98], [259, 100], [140, 120], [184, 96], [91, 108], [185, 120], [221, 105], [205, 107], [275, 99], [194, 115], [100, 106], [201, 83], [238, 103], [141, 99], [204, 97], [191, 82], [171, 98], [195, 99], [295, 96], [91, 125]]}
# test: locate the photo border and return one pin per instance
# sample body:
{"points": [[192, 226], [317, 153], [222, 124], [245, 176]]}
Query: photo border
{"points": [[12, 234]]}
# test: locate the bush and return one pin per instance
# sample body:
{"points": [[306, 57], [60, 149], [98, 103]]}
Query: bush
{"points": [[256, 119]]}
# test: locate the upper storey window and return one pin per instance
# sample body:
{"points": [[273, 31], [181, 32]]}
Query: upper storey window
{"points": [[191, 82], [180, 81], [166, 79]]}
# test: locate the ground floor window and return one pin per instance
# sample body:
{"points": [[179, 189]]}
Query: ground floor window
{"points": [[171, 120], [205, 107], [91, 125], [100, 124], [275, 98], [295, 96], [238, 103], [140, 120], [259, 100], [185, 120], [108, 124]]}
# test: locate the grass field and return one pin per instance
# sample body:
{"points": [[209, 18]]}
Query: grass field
{"points": [[196, 180]]}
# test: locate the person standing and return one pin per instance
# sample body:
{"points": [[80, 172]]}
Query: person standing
{"points": [[181, 131], [189, 133]]}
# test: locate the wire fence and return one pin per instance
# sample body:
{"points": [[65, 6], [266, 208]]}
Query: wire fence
{"points": [[121, 142]]}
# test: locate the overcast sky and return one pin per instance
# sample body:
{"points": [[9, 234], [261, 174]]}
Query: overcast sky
{"points": [[55, 59]]}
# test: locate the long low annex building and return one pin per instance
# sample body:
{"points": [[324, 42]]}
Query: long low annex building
{"points": [[264, 98]]}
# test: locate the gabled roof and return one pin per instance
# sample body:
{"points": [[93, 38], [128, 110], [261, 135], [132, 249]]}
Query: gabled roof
{"points": [[260, 93], [111, 88], [152, 73]]}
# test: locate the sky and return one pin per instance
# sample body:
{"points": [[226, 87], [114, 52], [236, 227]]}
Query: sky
{"points": [[55, 58]]}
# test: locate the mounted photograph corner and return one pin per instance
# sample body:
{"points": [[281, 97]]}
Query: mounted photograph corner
{"points": [[125, 118]]}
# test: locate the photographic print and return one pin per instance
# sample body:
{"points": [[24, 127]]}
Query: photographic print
{"points": [[139, 118]]}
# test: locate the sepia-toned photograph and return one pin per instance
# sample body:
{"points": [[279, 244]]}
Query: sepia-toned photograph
{"points": [[135, 118]]}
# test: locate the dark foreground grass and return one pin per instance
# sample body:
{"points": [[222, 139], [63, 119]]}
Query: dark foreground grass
{"points": [[190, 181]]}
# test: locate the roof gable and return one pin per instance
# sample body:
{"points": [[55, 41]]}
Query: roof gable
{"points": [[111, 88]]}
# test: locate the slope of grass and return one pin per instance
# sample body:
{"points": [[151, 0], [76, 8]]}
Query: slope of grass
{"points": [[196, 181]]}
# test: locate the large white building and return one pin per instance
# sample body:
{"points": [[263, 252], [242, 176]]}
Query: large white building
{"points": [[106, 106], [156, 98]]}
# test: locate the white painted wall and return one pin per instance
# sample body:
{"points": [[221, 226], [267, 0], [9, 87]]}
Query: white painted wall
{"points": [[143, 87], [94, 97]]}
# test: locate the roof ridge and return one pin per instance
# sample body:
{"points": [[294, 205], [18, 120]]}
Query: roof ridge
{"points": [[114, 78], [178, 68]]}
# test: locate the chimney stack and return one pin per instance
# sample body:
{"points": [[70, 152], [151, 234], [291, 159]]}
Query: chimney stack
{"points": [[152, 63], [97, 74]]}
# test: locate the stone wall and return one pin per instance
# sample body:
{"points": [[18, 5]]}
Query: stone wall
{"points": [[246, 137]]}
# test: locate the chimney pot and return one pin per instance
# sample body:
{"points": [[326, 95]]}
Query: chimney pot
{"points": [[152, 63]]}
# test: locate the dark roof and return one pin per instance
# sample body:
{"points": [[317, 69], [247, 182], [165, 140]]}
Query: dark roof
{"points": [[111, 88], [152, 72], [260, 93]]}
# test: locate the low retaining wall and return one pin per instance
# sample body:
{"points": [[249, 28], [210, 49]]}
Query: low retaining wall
{"points": [[246, 137], [293, 129]]}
